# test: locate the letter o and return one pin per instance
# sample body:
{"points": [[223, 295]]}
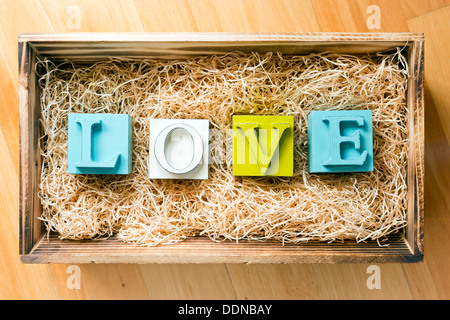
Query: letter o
{"points": [[160, 148]]}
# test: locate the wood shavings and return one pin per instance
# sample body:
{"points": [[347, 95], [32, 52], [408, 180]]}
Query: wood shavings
{"points": [[137, 209]]}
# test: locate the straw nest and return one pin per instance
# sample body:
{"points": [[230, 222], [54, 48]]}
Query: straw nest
{"points": [[143, 211]]}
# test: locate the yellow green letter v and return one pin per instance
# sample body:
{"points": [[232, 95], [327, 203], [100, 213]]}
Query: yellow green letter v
{"points": [[264, 158]]}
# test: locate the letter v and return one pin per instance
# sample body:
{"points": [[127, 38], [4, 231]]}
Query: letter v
{"points": [[264, 159]]}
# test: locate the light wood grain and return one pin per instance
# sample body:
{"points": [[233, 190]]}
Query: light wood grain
{"points": [[428, 280], [349, 281], [414, 8], [264, 16], [351, 16], [289, 282], [206, 282], [425, 280], [437, 73], [17, 16], [227, 16], [123, 282], [18, 281], [9, 113], [436, 26], [99, 15]]}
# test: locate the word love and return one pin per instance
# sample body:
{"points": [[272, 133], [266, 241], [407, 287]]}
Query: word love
{"points": [[338, 141]]}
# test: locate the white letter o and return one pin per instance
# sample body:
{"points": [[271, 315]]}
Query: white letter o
{"points": [[160, 148]]}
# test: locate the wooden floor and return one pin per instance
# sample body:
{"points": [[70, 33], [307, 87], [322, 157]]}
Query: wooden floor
{"points": [[427, 280]]}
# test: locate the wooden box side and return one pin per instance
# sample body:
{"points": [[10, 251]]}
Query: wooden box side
{"points": [[36, 247], [202, 250], [31, 228], [416, 152], [81, 47]]}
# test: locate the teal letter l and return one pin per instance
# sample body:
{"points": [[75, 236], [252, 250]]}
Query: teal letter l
{"points": [[86, 147]]}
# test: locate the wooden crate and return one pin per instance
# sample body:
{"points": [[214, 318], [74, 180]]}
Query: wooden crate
{"points": [[37, 247]]}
